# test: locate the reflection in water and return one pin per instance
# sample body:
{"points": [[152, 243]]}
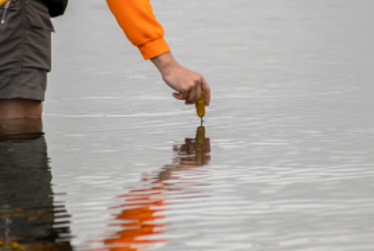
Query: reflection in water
{"points": [[29, 220], [143, 207]]}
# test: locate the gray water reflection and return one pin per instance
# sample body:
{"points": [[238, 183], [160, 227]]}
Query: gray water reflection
{"points": [[30, 218], [290, 121]]}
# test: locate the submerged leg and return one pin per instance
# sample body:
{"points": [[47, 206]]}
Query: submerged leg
{"points": [[20, 109]]}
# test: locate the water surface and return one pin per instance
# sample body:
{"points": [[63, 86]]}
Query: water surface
{"points": [[290, 128]]}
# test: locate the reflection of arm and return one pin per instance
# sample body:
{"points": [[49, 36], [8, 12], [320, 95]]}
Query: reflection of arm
{"points": [[140, 26]]}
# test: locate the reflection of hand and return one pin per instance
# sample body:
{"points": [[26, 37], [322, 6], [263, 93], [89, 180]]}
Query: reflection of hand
{"points": [[190, 146], [190, 155], [193, 153], [187, 83]]}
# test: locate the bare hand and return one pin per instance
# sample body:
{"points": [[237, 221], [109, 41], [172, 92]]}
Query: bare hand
{"points": [[187, 83]]}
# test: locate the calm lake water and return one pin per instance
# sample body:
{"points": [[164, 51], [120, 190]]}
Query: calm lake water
{"points": [[287, 159]]}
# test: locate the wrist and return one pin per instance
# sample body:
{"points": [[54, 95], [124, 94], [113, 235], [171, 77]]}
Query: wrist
{"points": [[164, 62]]}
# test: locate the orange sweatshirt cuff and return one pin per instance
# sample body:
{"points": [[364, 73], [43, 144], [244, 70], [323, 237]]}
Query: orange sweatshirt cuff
{"points": [[154, 48]]}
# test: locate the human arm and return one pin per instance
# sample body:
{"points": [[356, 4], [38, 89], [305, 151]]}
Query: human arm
{"points": [[187, 83], [137, 20]]}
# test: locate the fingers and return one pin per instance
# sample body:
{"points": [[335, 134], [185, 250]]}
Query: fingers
{"points": [[195, 93], [205, 87], [189, 87], [178, 96], [198, 91], [191, 97], [183, 96]]}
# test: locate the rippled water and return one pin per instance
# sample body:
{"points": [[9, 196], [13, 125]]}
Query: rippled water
{"points": [[288, 159], [30, 219]]}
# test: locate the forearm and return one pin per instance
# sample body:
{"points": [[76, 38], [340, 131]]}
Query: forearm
{"points": [[143, 30], [165, 62]]}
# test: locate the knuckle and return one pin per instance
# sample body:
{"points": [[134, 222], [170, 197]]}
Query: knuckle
{"points": [[184, 89]]}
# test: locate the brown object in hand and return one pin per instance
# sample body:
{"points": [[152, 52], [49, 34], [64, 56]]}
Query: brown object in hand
{"points": [[200, 105]]}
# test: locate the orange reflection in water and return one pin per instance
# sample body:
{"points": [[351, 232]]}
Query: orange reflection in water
{"points": [[139, 224], [144, 206]]}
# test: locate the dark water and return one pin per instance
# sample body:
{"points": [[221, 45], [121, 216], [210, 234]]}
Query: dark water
{"points": [[289, 161], [30, 218]]}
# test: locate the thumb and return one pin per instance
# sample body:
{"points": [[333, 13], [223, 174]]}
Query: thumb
{"points": [[178, 96]]}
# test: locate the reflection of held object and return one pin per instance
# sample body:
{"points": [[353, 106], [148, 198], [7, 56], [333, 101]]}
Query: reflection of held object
{"points": [[200, 105], [200, 140], [200, 135]]}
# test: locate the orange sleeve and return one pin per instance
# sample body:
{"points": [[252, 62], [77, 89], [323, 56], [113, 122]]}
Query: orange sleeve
{"points": [[140, 26]]}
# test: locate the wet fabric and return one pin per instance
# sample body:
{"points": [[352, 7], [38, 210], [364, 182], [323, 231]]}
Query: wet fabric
{"points": [[25, 50]]}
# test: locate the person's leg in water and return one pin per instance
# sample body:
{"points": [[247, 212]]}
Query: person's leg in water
{"points": [[25, 52], [20, 129], [20, 109]]}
